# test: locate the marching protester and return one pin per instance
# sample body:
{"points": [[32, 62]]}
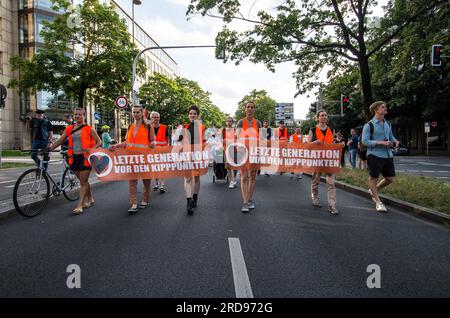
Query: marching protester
{"points": [[322, 134], [81, 138], [378, 137], [266, 134], [353, 147], [194, 135], [248, 129], [41, 136], [297, 138], [281, 134], [341, 140], [162, 136], [228, 135], [362, 152], [139, 136]]}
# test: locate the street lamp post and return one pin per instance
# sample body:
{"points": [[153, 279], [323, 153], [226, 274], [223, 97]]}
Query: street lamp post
{"points": [[134, 2]]}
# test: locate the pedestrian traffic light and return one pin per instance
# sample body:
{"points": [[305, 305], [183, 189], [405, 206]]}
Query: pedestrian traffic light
{"points": [[436, 51]]}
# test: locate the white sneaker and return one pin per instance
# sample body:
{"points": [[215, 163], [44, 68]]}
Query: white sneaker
{"points": [[380, 207], [231, 186], [251, 204]]}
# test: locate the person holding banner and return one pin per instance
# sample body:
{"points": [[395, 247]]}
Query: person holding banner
{"points": [[297, 138], [139, 136], [81, 137], [228, 135], [322, 134], [162, 139], [194, 135], [248, 132]]}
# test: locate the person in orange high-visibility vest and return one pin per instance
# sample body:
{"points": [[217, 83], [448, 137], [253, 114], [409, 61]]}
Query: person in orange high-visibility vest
{"points": [[139, 136], [162, 138], [193, 134], [322, 134], [297, 138], [229, 137], [81, 137], [281, 133], [248, 130]]}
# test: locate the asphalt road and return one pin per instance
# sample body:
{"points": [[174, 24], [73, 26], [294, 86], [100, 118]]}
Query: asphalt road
{"points": [[436, 167], [289, 248]]}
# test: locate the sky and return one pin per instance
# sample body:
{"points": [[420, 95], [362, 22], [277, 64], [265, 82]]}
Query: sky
{"points": [[166, 22]]}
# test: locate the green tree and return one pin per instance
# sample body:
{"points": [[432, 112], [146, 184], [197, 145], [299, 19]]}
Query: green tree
{"points": [[265, 106], [311, 33], [172, 98], [104, 66]]}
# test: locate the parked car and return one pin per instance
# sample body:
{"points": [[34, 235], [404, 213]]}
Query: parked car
{"points": [[401, 150]]}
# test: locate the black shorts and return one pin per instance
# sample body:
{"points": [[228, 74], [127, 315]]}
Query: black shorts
{"points": [[362, 154], [383, 165], [78, 163]]}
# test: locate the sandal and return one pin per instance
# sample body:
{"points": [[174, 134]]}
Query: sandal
{"points": [[143, 205], [88, 205], [77, 211], [132, 210]]}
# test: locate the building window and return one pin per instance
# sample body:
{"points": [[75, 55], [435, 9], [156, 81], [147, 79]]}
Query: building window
{"points": [[40, 25]]}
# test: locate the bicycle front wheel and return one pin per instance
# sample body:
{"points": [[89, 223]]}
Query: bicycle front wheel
{"points": [[70, 185], [31, 192]]}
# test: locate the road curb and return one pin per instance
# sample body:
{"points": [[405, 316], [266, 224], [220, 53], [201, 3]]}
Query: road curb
{"points": [[414, 209]]}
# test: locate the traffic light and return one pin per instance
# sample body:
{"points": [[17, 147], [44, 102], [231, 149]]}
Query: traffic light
{"points": [[345, 102], [220, 50], [436, 51]]}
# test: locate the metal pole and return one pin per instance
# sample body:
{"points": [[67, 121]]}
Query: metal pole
{"points": [[132, 16], [342, 106], [427, 143]]}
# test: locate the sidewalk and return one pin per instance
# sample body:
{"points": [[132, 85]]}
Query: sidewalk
{"points": [[53, 157]]}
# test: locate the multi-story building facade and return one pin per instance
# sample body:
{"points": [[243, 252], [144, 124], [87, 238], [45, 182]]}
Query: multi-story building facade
{"points": [[20, 24], [284, 111]]}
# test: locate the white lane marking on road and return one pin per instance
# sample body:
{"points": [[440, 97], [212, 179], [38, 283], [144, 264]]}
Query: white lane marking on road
{"points": [[7, 181], [240, 275]]}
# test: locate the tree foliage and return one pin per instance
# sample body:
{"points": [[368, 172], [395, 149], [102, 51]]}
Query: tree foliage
{"points": [[172, 98], [311, 33], [265, 106], [103, 67]]}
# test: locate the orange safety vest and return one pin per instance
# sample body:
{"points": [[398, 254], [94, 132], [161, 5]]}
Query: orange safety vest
{"points": [[228, 134], [202, 132], [87, 142], [328, 138], [296, 139], [141, 141], [249, 134], [284, 136], [161, 136]]}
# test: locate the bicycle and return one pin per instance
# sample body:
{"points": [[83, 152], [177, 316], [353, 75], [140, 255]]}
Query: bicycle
{"points": [[32, 189]]}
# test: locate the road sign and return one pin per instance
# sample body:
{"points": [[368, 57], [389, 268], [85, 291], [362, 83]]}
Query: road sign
{"points": [[434, 124], [121, 102], [427, 127], [97, 116]]}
